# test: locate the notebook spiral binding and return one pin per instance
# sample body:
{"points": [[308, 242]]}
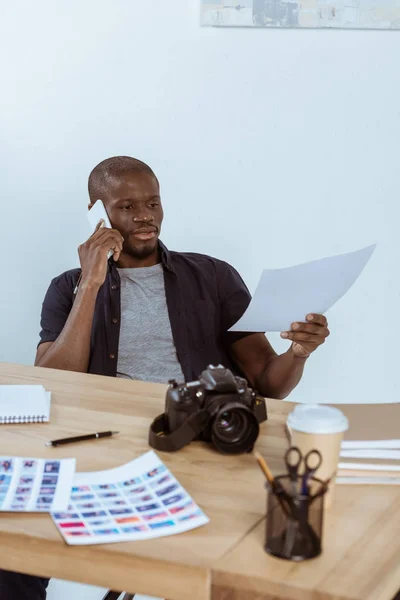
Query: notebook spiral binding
{"points": [[23, 419]]}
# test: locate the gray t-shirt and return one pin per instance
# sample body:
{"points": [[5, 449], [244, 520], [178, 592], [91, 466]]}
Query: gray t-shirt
{"points": [[146, 346]]}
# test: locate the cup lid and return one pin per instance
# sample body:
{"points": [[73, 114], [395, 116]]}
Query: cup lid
{"points": [[317, 418]]}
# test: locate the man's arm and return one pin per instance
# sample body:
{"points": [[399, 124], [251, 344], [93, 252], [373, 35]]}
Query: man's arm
{"points": [[277, 375], [270, 374], [71, 349]]}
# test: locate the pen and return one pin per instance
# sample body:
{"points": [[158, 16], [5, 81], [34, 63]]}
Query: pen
{"points": [[81, 438]]}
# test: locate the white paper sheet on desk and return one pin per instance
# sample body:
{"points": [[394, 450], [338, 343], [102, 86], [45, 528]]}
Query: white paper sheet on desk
{"points": [[371, 453], [35, 484], [286, 295], [137, 501], [371, 445], [369, 467], [368, 480]]}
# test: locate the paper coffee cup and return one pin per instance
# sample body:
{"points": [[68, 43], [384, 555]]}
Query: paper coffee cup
{"points": [[320, 427]]}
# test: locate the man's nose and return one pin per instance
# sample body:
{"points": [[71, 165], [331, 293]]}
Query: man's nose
{"points": [[143, 217]]}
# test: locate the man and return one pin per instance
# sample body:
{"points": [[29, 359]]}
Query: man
{"points": [[152, 314]]}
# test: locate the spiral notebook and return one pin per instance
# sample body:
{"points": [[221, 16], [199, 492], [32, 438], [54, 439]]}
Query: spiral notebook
{"points": [[24, 404]]}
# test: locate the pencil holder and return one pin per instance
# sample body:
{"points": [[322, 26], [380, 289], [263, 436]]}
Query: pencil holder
{"points": [[294, 520]]}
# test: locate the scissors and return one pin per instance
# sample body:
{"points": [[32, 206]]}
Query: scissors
{"points": [[293, 459]]}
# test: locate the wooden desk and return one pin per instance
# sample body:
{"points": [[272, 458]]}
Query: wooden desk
{"points": [[223, 560]]}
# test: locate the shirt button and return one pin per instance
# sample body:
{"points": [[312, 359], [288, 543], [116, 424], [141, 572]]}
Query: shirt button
{"points": [[112, 356], [115, 320], [114, 287]]}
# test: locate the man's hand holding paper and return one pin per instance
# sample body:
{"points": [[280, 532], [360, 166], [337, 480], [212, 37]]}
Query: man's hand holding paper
{"points": [[307, 336]]}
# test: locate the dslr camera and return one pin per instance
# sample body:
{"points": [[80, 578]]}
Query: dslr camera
{"points": [[219, 408]]}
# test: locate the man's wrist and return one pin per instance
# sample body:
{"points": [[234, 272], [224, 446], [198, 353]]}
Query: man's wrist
{"points": [[89, 285], [296, 357]]}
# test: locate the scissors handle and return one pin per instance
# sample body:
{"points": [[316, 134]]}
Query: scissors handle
{"points": [[312, 462], [293, 460]]}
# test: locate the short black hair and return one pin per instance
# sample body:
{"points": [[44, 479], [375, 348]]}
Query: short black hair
{"points": [[111, 168]]}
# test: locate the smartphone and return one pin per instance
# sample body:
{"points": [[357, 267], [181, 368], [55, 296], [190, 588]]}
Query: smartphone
{"points": [[95, 214]]}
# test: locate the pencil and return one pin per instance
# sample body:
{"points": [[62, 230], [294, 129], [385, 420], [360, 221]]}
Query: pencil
{"points": [[277, 489], [264, 468]]}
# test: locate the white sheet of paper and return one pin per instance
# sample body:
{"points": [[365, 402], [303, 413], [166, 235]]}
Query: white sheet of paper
{"points": [[35, 484], [368, 480], [137, 501], [369, 467], [371, 453], [371, 445], [286, 295]]}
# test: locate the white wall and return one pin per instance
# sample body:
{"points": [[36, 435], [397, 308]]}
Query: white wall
{"points": [[273, 147]]}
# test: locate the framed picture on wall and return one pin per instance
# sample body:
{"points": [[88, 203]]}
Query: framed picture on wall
{"points": [[342, 14]]}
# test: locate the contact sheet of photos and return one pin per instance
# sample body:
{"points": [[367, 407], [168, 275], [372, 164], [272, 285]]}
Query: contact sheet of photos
{"points": [[136, 501], [35, 485]]}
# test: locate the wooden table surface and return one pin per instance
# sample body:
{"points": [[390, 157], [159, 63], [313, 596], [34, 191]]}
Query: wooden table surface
{"points": [[223, 560]]}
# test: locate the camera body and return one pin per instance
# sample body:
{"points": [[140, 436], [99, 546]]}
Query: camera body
{"points": [[231, 408]]}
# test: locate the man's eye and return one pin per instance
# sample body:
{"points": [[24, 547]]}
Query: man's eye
{"points": [[127, 207], [154, 204]]}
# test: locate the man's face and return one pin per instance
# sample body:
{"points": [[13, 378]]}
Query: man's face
{"points": [[134, 207]]}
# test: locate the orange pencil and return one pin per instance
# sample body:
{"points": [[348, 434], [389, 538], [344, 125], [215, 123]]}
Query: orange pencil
{"points": [[264, 468], [276, 486]]}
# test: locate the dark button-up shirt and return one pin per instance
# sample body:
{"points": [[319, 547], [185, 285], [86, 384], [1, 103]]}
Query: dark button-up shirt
{"points": [[205, 297]]}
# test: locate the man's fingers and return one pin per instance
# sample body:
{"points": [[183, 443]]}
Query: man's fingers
{"points": [[107, 243], [98, 226], [117, 254], [117, 251], [317, 319], [306, 337], [101, 233], [105, 237], [299, 327], [303, 337], [104, 232]]}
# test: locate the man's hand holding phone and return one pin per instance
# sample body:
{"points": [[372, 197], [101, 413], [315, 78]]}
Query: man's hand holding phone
{"points": [[71, 350], [93, 254]]}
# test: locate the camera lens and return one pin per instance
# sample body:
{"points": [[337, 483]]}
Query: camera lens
{"points": [[230, 422], [235, 429]]}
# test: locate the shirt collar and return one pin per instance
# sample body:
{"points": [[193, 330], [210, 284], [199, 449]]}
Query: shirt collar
{"points": [[165, 255]]}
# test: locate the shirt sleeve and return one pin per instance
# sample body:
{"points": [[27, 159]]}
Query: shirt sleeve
{"points": [[235, 298], [56, 307]]}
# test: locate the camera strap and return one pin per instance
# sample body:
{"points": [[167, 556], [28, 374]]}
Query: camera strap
{"points": [[187, 432]]}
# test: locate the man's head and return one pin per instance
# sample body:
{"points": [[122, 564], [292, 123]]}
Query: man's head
{"points": [[131, 194]]}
